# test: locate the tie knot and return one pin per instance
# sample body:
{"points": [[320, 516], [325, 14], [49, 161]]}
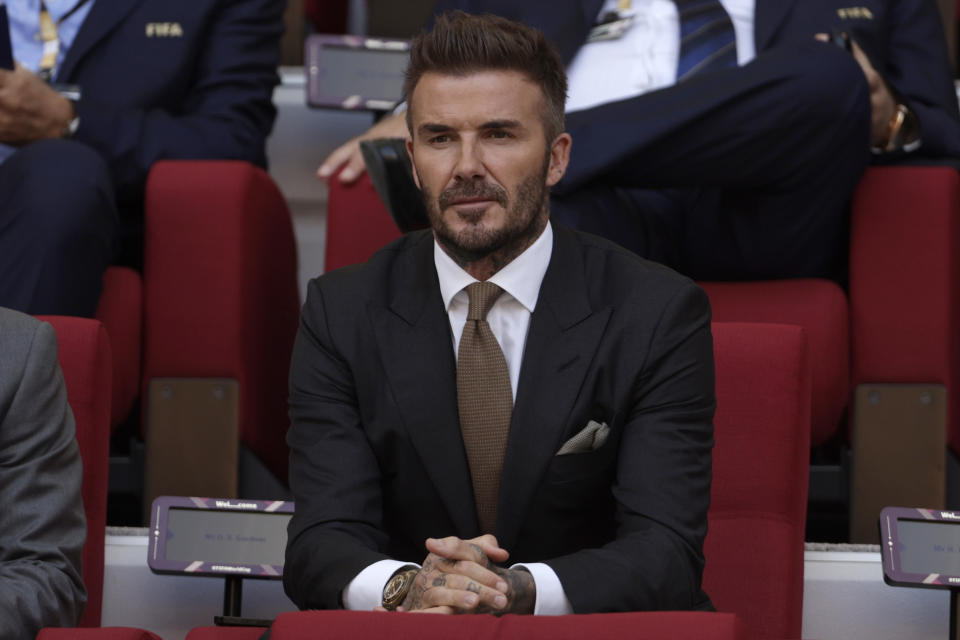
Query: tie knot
{"points": [[482, 296]]}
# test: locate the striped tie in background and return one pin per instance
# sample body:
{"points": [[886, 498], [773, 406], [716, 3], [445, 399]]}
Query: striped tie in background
{"points": [[707, 39]]}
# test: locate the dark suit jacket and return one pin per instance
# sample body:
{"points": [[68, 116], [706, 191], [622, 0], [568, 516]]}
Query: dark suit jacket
{"points": [[377, 460], [903, 38], [174, 79]]}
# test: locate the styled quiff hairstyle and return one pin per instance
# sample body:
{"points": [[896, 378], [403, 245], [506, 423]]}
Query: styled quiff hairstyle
{"points": [[461, 44]]}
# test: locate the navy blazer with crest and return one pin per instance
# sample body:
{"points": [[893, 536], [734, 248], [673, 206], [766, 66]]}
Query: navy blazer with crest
{"points": [[377, 459], [183, 79]]}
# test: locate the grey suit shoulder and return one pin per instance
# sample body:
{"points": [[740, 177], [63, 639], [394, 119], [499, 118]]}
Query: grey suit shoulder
{"points": [[42, 525]]}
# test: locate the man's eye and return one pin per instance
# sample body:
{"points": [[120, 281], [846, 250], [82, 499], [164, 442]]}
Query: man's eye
{"points": [[440, 139], [499, 134]]}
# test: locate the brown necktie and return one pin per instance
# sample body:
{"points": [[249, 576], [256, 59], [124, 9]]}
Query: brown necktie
{"points": [[485, 401]]}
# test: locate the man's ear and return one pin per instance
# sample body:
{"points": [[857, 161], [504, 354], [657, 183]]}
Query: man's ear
{"points": [[559, 158], [413, 163]]}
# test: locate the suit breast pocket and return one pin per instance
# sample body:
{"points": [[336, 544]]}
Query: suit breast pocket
{"points": [[576, 466], [580, 481]]}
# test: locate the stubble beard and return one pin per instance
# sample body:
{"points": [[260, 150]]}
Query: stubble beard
{"points": [[525, 220]]}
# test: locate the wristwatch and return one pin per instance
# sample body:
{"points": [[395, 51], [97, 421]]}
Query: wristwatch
{"points": [[398, 586], [902, 132], [73, 93], [895, 129], [71, 129]]}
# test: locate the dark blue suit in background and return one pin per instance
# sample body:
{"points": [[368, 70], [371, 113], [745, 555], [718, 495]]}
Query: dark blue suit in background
{"points": [[160, 79], [747, 173]]}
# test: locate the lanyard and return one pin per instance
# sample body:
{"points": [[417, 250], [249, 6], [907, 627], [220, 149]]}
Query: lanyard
{"points": [[51, 40]]}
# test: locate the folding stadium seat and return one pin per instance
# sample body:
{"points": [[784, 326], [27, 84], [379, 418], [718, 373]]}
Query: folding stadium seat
{"points": [[203, 338], [757, 517], [905, 341], [84, 353]]}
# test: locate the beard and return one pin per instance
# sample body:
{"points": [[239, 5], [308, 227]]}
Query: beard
{"points": [[524, 220]]}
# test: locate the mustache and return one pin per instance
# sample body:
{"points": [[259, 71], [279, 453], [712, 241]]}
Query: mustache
{"points": [[473, 189]]}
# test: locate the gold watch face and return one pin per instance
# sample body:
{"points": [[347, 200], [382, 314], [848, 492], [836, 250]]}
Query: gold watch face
{"points": [[396, 589]]}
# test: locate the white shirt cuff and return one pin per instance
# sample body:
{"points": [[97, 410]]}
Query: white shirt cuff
{"points": [[551, 600], [365, 591]]}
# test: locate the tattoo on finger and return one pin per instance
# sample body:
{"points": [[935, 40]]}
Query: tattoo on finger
{"points": [[484, 560]]}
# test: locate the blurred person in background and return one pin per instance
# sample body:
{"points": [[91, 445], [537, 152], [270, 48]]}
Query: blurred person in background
{"points": [[102, 90], [725, 139]]}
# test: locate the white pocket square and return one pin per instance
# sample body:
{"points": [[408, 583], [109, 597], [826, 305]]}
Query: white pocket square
{"points": [[590, 438]]}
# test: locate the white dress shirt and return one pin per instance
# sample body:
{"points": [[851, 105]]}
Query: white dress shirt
{"points": [[645, 57], [509, 319]]}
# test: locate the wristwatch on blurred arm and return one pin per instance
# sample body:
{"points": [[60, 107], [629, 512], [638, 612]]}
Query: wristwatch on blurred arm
{"points": [[903, 134]]}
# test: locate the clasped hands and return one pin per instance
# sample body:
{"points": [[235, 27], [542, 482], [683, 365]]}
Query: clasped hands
{"points": [[459, 576]]}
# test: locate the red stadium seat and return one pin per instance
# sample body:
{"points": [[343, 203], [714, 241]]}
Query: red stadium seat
{"points": [[225, 633], [363, 625], [106, 633], [84, 354], [905, 343], [757, 517], [216, 309]]}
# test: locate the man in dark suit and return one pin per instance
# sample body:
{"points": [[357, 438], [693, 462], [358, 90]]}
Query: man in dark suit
{"points": [[582, 448], [42, 526], [134, 81], [743, 172]]}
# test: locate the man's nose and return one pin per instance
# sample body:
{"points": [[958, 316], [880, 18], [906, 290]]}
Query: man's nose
{"points": [[469, 161]]}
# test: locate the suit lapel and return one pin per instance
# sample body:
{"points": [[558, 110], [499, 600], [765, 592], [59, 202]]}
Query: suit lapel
{"points": [[413, 334], [768, 17], [561, 341], [104, 16]]}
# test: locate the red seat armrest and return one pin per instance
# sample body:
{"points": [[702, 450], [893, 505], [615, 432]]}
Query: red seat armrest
{"points": [[105, 633]]}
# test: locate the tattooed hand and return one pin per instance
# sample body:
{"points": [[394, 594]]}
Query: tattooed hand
{"points": [[456, 577], [459, 576], [521, 592]]}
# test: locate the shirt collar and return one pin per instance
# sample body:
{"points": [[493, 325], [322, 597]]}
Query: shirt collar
{"points": [[521, 278]]}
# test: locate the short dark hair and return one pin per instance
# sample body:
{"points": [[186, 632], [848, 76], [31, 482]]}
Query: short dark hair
{"points": [[461, 43]]}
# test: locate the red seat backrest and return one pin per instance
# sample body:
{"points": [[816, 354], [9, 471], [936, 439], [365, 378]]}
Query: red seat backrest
{"points": [[120, 309], [84, 354], [358, 223], [754, 547]]}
